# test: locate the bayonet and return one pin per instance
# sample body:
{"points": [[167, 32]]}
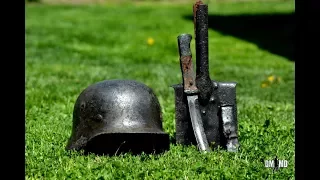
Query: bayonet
{"points": [[191, 90]]}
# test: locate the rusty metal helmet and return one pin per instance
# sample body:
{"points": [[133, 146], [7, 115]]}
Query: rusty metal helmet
{"points": [[115, 116]]}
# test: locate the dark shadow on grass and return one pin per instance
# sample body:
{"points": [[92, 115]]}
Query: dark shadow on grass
{"points": [[173, 139], [271, 32], [134, 144]]}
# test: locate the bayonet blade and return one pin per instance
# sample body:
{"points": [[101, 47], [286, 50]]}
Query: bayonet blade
{"points": [[196, 122], [191, 90]]}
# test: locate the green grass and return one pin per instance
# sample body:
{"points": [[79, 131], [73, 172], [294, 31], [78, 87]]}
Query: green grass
{"points": [[70, 47]]}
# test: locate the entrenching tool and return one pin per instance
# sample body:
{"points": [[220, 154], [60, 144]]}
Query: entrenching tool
{"points": [[216, 100], [191, 90]]}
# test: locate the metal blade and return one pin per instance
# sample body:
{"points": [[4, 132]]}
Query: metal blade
{"points": [[197, 123]]}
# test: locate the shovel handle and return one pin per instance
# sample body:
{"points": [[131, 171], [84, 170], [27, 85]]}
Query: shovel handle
{"points": [[188, 76], [195, 9]]}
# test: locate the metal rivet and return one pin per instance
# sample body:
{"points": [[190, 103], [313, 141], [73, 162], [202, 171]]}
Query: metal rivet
{"points": [[98, 117]]}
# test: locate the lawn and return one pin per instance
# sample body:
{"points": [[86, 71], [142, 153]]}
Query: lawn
{"points": [[69, 48]]}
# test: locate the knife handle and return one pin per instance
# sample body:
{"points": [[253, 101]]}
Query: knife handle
{"points": [[188, 76]]}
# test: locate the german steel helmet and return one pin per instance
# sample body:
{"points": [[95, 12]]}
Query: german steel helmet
{"points": [[115, 116]]}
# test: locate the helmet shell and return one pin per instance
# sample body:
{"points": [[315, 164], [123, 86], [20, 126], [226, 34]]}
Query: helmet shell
{"points": [[111, 112]]}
